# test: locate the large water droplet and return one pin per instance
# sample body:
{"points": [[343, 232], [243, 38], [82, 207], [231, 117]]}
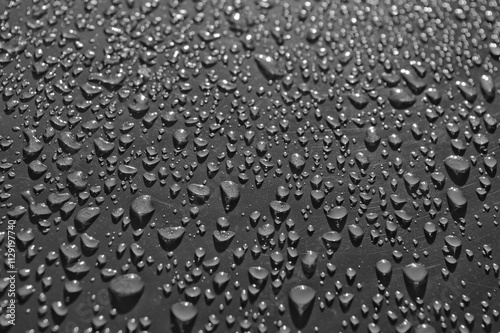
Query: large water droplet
{"points": [[416, 276]]}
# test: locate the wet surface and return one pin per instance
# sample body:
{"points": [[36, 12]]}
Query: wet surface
{"points": [[263, 166]]}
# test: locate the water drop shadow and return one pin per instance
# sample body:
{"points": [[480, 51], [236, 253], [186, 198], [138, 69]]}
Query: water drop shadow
{"points": [[337, 225], [458, 213], [300, 320], [415, 291], [139, 222], [177, 327], [170, 245], [459, 180], [125, 304], [384, 279], [430, 238], [221, 247]]}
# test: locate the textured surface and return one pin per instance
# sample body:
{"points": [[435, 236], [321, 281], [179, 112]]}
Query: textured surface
{"points": [[250, 165]]}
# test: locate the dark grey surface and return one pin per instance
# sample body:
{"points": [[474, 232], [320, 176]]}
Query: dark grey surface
{"points": [[299, 165]]}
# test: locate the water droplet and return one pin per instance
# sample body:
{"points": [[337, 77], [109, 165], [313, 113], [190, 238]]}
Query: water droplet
{"points": [[416, 276]]}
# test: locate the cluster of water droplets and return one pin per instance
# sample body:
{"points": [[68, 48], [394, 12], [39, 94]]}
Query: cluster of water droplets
{"points": [[253, 166]]}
